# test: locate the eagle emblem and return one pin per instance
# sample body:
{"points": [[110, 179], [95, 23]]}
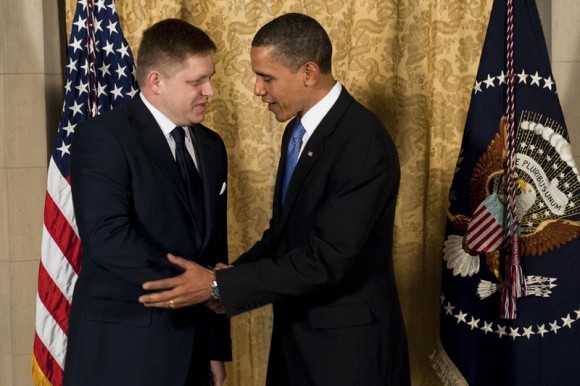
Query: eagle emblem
{"points": [[546, 200]]}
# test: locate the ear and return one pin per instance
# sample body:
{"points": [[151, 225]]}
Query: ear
{"points": [[311, 73], [154, 81]]}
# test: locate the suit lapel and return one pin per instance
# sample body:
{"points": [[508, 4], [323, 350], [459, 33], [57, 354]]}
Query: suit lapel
{"points": [[153, 141], [310, 154], [207, 161]]}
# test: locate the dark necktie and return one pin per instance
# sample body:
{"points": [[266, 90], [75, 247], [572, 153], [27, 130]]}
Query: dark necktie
{"points": [[292, 155], [189, 174]]}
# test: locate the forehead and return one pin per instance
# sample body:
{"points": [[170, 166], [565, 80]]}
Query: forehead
{"points": [[196, 66], [265, 62]]}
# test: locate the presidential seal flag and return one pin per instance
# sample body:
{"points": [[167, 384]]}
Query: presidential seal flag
{"points": [[510, 302], [99, 77]]}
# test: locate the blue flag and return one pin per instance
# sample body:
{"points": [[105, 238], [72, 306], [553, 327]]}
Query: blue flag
{"points": [[540, 343]]}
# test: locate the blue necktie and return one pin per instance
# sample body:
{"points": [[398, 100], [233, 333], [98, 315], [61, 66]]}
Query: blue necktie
{"points": [[292, 155]]}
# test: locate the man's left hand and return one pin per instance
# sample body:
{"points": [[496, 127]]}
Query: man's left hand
{"points": [[188, 288]]}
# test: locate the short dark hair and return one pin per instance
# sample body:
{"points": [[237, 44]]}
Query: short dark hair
{"points": [[296, 39], [167, 44]]}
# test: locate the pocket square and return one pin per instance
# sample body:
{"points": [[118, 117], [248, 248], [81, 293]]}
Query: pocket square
{"points": [[223, 189]]}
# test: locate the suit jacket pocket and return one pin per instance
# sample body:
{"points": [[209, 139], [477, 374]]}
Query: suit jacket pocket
{"points": [[120, 312], [348, 315]]}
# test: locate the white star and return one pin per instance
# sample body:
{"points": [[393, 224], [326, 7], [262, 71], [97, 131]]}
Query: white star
{"points": [[554, 327], [101, 89], [108, 47], [133, 92], [500, 331], [123, 50], [98, 27], [501, 78], [487, 327], [542, 330], [117, 92], [85, 67], [82, 88], [474, 323], [72, 65], [69, 128], [461, 317], [76, 108], [81, 23], [105, 69], [477, 87], [112, 27], [528, 332], [449, 309], [76, 44], [442, 297], [112, 6], [83, 3], [489, 82], [536, 79], [577, 314], [514, 332], [541, 151], [67, 87], [548, 83], [63, 149], [567, 321], [120, 71], [523, 77], [101, 5]]}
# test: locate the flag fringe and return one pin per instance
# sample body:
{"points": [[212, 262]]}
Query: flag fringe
{"points": [[448, 373], [38, 377]]}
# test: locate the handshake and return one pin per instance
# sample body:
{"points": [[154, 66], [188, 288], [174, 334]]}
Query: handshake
{"points": [[191, 287]]}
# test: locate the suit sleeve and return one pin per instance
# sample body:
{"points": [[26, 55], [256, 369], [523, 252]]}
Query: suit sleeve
{"points": [[361, 183], [102, 196]]}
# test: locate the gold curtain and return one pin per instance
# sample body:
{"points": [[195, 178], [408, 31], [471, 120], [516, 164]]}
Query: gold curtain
{"points": [[412, 62]]}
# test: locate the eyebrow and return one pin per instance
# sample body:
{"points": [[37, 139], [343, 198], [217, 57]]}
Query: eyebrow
{"points": [[264, 75]]}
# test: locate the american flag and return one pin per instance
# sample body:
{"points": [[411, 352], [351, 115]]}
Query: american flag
{"points": [[99, 77]]}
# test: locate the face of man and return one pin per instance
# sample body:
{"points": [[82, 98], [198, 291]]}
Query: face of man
{"points": [[279, 86], [183, 96]]}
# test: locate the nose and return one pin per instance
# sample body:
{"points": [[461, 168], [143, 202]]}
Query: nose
{"points": [[259, 89], [208, 90]]}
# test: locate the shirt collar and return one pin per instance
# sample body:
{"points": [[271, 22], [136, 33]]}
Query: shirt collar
{"points": [[164, 123], [314, 116]]}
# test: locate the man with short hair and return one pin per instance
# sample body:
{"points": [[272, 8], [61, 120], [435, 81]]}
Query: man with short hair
{"points": [[149, 180]]}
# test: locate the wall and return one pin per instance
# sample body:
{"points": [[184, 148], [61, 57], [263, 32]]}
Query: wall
{"points": [[30, 103], [31, 32]]}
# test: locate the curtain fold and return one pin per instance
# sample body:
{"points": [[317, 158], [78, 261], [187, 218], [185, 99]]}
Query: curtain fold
{"points": [[413, 63]]}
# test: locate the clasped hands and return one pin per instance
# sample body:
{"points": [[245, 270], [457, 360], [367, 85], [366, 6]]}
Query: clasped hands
{"points": [[186, 289]]}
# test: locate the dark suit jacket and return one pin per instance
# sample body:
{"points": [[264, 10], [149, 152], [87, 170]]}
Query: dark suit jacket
{"points": [[131, 208], [325, 261]]}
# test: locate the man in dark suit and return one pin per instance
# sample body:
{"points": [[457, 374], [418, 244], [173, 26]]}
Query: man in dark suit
{"points": [[325, 261], [134, 205]]}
